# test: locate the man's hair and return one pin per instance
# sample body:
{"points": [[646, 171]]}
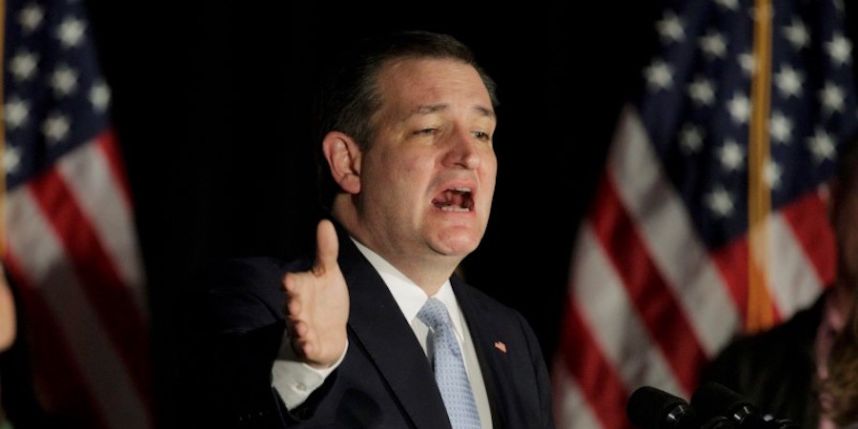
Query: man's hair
{"points": [[349, 95]]}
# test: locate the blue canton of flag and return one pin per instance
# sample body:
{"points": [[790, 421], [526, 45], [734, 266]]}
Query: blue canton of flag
{"points": [[55, 98], [696, 105]]}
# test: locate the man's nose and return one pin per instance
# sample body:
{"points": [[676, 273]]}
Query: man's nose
{"points": [[463, 151]]}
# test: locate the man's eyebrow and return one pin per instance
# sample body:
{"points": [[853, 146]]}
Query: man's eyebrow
{"points": [[433, 108], [485, 111]]}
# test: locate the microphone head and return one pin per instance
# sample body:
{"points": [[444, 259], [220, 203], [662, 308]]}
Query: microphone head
{"points": [[651, 408], [712, 400]]}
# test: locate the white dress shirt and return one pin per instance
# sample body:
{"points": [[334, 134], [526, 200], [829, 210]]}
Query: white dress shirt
{"points": [[294, 380]]}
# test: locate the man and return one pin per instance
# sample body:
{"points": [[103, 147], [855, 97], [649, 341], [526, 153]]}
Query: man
{"points": [[379, 334], [780, 370]]}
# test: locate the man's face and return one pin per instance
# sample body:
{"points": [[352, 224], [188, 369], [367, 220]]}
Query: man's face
{"points": [[846, 230], [428, 176]]}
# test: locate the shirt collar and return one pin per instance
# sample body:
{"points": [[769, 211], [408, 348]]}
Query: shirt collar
{"points": [[408, 296]]}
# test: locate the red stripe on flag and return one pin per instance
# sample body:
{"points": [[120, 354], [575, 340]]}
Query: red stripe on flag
{"points": [[732, 263], [600, 384], [106, 142], [52, 359], [813, 232], [102, 285], [651, 295]]}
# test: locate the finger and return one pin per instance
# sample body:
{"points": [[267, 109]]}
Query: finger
{"points": [[300, 329], [290, 282], [294, 307], [308, 343], [327, 247], [307, 348]]}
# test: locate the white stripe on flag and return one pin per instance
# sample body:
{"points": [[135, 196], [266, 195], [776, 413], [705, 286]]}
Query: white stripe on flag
{"points": [[89, 178], [792, 280], [669, 234], [615, 324], [571, 410], [43, 262]]}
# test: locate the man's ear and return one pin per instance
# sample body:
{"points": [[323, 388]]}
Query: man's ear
{"points": [[344, 157]]}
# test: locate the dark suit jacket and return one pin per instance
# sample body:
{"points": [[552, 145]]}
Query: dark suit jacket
{"points": [[385, 380], [775, 369]]}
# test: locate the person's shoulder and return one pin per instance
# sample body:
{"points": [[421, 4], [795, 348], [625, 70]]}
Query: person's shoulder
{"points": [[800, 329], [788, 345]]}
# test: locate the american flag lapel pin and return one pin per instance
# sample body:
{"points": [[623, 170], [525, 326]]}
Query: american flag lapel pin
{"points": [[500, 345]]}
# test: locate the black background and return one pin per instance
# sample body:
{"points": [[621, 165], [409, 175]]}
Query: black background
{"points": [[212, 104]]}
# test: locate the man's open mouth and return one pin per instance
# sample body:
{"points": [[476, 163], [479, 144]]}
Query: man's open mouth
{"points": [[459, 199]]}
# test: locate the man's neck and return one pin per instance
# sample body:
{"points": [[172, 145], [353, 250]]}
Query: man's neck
{"points": [[429, 272], [426, 275]]}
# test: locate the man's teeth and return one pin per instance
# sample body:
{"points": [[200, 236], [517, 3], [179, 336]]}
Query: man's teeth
{"points": [[455, 209], [462, 189]]}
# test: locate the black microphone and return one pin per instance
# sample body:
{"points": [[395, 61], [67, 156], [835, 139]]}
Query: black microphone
{"points": [[713, 400], [651, 408]]}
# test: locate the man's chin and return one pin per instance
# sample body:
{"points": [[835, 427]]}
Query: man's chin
{"points": [[456, 245]]}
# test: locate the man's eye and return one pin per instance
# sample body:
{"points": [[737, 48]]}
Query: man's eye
{"points": [[426, 131], [482, 135]]}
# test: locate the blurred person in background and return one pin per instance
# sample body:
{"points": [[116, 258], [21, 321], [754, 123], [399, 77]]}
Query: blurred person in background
{"points": [[839, 379], [785, 370]]}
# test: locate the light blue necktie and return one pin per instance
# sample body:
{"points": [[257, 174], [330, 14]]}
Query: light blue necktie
{"points": [[449, 366]]}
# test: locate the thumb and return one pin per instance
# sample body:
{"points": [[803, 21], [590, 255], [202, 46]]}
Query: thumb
{"points": [[327, 247]]}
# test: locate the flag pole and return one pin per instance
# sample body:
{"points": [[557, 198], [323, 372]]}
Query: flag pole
{"points": [[759, 315]]}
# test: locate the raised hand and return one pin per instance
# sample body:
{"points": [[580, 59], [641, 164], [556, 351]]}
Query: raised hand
{"points": [[317, 304]]}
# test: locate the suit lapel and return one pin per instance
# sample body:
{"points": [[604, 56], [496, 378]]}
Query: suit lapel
{"points": [[376, 321], [493, 363]]}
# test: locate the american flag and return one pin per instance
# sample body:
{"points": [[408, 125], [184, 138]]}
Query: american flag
{"points": [[664, 263], [69, 245]]}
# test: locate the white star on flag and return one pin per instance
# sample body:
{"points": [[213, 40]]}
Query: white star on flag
{"points": [[780, 128], [16, 112], [739, 108], [797, 35], [658, 75], [11, 159], [23, 65], [789, 81], [832, 98], [821, 145], [55, 128], [31, 17], [99, 96], [731, 155], [64, 80], [728, 4], [701, 92], [772, 174], [839, 49], [719, 202], [691, 138], [713, 45], [70, 32], [670, 28], [747, 63]]}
